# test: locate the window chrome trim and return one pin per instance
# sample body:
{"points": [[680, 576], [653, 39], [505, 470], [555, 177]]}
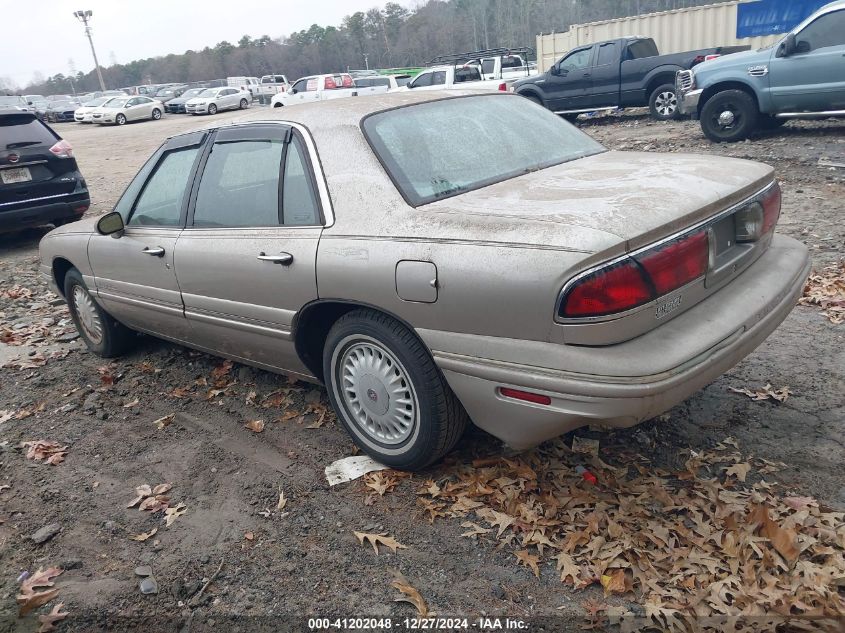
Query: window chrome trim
{"points": [[632, 254]]}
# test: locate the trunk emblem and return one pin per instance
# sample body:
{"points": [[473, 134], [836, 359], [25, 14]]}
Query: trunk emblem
{"points": [[13, 158]]}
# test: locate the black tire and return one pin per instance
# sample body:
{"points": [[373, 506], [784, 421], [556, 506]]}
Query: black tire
{"points": [[741, 123], [439, 419], [116, 337], [156, 114], [243, 104], [663, 103], [120, 119], [532, 97], [212, 109], [277, 104]]}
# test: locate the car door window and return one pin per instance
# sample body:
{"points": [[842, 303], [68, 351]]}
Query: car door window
{"points": [[240, 184], [438, 78], [299, 86], [423, 79], [163, 195], [828, 30], [575, 61], [607, 54], [299, 201]]}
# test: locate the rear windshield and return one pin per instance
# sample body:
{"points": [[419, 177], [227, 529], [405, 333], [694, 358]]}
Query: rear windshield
{"points": [[444, 148], [23, 130]]}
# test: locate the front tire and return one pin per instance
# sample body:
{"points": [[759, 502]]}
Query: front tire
{"points": [[104, 336], [156, 114], [278, 104], [120, 119], [243, 104], [212, 109], [387, 392], [729, 116], [663, 103]]}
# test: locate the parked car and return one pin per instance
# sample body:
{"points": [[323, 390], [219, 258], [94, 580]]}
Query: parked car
{"points": [[317, 88], [270, 86], [623, 73], [245, 84], [61, 111], [85, 112], [494, 63], [37, 104], [380, 83], [170, 92], [802, 77], [40, 182], [450, 77], [121, 110], [31, 100], [212, 100], [177, 105], [431, 278], [13, 103]]}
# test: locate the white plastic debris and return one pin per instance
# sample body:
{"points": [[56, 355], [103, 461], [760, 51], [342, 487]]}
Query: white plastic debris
{"points": [[350, 468]]}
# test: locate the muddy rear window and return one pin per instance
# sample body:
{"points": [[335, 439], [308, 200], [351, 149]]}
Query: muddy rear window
{"points": [[439, 149]]}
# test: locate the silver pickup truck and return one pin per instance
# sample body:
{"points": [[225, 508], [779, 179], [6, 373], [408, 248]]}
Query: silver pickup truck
{"points": [[801, 77]]}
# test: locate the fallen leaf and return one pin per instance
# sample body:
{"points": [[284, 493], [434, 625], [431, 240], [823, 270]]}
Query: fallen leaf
{"points": [[475, 529], [568, 568], [48, 620], [181, 392], [165, 421], [529, 560], [249, 536], [28, 598], [256, 426], [740, 471], [222, 370], [5, 416], [614, 582], [585, 445], [41, 450], [800, 503], [143, 536], [783, 540], [379, 539], [251, 396], [155, 504], [766, 393], [161, 489], [171, 514], [382, 481], [410, 595], [282, 501]]}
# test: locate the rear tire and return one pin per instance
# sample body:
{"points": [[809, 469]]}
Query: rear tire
{"points": [[102, 333], [729, 116], [156, 114], [387, 392], [663, 103], [212, 109], [243, 104], [277, 104]]}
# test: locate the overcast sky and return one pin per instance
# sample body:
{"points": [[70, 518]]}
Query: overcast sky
{"points": [[44, 36]]}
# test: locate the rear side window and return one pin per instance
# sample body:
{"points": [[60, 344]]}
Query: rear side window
{"points": [[470, 73], [161, 200], [641, 49], [488, 66], [299, 200], [438, 78], [607, 54], [240, 184], [18, 131]]}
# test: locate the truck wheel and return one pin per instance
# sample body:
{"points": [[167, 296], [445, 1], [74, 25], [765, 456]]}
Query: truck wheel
{"points": [[663, 103], [729, 116]]}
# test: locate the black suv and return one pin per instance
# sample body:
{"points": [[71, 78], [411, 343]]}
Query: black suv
{"points": [[40, 182]]}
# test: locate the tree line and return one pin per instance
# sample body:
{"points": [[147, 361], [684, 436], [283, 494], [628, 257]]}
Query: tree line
{"points": [[387, 37]]}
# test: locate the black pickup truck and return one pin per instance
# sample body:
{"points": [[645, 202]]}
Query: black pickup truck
{"points": [[624, 73]]}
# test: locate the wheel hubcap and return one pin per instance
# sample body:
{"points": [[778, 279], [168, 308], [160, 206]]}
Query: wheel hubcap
{"points": [[89, 319], [727, 118], [666, 103], [376, 392]]}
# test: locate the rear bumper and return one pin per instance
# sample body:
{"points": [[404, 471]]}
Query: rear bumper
{"points": [[44, 211], [746, 312]]}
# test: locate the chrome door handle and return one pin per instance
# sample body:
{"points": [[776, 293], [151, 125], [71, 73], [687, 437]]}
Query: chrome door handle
{"points": [[285, 259], [158, 251]]}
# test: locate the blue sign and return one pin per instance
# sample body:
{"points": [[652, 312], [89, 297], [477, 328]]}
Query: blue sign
{"points": [[770, 17]]}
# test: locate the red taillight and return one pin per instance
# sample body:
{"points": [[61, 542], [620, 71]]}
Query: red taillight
{"points": [[526, 396], [347, 82], [677, 263], [771, 208], [638, 280], [330, 83], [62, 149], [503, 87], [617, 288]]}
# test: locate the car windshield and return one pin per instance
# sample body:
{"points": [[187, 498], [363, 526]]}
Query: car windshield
{"points": [[58, 105], [443, 148], [96, 102], [115, 103], [208, 93], [13, 101]]}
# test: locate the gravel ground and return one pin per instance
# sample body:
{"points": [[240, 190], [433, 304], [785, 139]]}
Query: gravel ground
{"points": [[303, 558]]}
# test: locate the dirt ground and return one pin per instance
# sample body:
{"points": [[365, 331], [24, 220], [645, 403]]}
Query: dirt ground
{"points": [[303, 558]]}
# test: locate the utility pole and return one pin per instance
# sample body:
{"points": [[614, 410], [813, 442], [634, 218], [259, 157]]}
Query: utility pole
{"points": [[366, 60], [84, 16]]}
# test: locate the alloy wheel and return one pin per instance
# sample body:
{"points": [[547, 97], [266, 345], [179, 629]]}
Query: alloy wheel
{"points": [[666, 103]]}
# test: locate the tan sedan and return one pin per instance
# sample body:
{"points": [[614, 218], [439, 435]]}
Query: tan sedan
{"points": [[434, 260]]}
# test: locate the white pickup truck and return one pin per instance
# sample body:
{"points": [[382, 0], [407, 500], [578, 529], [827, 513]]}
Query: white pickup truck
{"points": [[270, 86], [454, 77], [510, 66], [317, 88]]}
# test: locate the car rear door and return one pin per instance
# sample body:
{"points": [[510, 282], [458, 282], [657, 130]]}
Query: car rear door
{"points": [[134, 273], [246, 262], [813, 77]]}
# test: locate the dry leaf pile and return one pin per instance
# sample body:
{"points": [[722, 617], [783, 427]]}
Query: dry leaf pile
{"points": [[766, 393], [42, 450], [688, 545], [37, 590], [826, 289]]}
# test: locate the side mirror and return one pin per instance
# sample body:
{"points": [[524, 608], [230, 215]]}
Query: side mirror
{"points": [[110, 224], [787, 47], [555, 70]]}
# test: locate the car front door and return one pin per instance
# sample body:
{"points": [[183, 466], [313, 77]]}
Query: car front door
{"points": [[812, 77], [567, 87], [142, 108], [246, 262], [134, 274]]}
